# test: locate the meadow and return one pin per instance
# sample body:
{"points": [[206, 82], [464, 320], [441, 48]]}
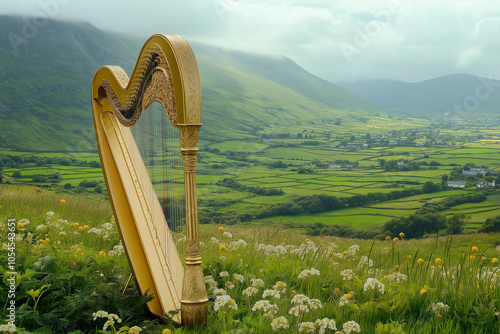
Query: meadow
{"points": [[71, 277]]}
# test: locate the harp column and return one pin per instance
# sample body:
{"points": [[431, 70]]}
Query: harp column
{"points": [[194, 309]]}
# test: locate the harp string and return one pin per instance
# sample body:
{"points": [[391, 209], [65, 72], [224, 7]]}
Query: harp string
{"points": [[158, 145]]}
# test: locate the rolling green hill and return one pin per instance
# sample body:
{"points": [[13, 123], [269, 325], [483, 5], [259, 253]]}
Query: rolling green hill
{"points": [[45, 82]]}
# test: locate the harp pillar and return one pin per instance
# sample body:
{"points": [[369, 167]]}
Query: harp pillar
{"points": [[194, 310]]}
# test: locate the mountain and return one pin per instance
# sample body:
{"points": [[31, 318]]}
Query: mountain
{"points": [[456, 96], [46, 72]]}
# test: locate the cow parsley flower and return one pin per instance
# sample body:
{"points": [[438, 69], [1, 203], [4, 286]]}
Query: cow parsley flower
{"points": [[220, 292], [374, 284], [347, 275], [307, 327], [324, 324], [300, 299], [257, 282], [271, 293], [226, 302], [440, 308], [280, 286], [250, 291], [351, 327], [298, 310], [224, 274], [279, 323], [238, 277]]}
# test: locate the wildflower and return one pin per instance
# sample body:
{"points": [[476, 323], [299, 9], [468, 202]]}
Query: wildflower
{"points": [[280, 286], [79, 250], [374, 284], [298, 310], [225, 301], [351, 327], [134, 330], [50, 214], [438, 260], [80, 228], [293, 293], [474, 250], [337, 292], [222, 247], [238, 277], [324, 324], [85, 227], [102, 253], [224, 274], [166, 331], [62, 202], [271, 293], [315, 304], [388, 239], [308, 273], [227, 235], [20, 225], [62, 233], [395, 239], [279, 323], [212, 284], [220, 292], [230, 285], [100, 314], [365, 261], [300, 299], [346, 299], [10, 328], [423, 291], [75, 224], [420, 260], [221, 228], [257, 282], [307, 327], [214, 240], [494, 260], [347, 275], [73, 264], [401, 235], [250, 291]]}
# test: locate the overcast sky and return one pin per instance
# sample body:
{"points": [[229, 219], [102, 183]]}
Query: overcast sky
{"points": [[409, 40]]}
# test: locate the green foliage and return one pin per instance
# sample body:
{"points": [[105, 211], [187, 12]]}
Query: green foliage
{"points": [[491, 224]]}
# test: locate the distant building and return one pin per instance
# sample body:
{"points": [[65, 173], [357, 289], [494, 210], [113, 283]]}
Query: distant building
{"points": [[493, 173], [469, 173], [485, 184], [456, 184]]}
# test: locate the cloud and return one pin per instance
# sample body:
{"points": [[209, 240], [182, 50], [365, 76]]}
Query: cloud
{"points": [[408, 40]]}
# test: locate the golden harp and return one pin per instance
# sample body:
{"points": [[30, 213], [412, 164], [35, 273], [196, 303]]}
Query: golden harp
{"points": [[166, 73]]}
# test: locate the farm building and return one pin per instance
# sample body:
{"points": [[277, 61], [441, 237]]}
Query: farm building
{"points": [[456, 184], [485, 184]]}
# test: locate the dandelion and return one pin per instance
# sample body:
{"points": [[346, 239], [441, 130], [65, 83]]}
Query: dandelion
{"points": [[75, 224], [388, 239], [351, 327], [166, 331], [423, 291], [279, 323], [420, 260], [401, 235], [307, 327], [80, 228], [221, 228], [293, 293], [438, 260], [474, 250], [346, 299], [62, 202], [494, 260], [20, 225], [85, 227], [225, 301], [222, 247], [102, 253], [395, 240], [79, 250], [250, 291]]}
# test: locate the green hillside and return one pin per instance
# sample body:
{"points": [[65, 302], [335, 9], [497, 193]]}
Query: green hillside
{"points": [[45, 87]]}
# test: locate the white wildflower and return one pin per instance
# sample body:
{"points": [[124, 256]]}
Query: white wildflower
{"points": [[324, 324], [440, 308], [351, 327], [230, 285], [280, 286], [271, 293], [365, 261], [134, 330], [214, 241], [298, 310], [307, 327], [224, 274], [300, 299], [212, 284], [279, 323], [315, 304], [374, 284], [220, 292], [304, 274], [9, 328], [238, 277], [225, 301], [227, 235], [257, 282], [347, 275], [250, 291]]}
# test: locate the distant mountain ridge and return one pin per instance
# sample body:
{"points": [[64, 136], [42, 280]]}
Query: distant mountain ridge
{"points": [[456, 96], [45, 88]]}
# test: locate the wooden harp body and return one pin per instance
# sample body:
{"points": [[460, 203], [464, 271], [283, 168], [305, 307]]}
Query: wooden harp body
{"points": [[166, 72]]}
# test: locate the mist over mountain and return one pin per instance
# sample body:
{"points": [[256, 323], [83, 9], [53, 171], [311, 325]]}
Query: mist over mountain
{"points": [[456, 96], [46, 73]]}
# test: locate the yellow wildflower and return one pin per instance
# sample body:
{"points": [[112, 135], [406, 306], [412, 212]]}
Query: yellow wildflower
{"points": [[401, 235], [75, 224], [439, 316], [102, 253], [221, 228], [344, 252], [20, 225], [494, 260], [307, 239], [222, 248], [472, 258], [474, 249], [423, 291], [79, 250], [395, 239], [294, 293], [73, 264], [438, 260], [420, 261], [166, 331], [62, 202], [80, 228], [348, 296], [46, 240], [388, 238], [396, 267], [85, 227]]}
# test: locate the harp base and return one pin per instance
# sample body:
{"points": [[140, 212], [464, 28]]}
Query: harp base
{"points": [[194, 308]]}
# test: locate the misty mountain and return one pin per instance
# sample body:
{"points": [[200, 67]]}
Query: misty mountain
{"points": [[46, 73], [456, 96]]}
